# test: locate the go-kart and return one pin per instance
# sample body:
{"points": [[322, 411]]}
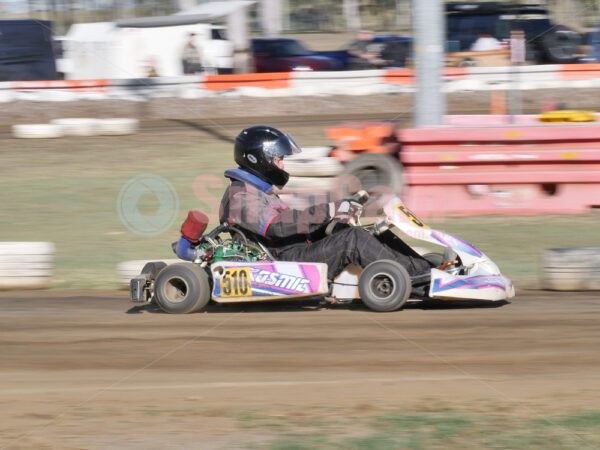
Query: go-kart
{"points": [[236, 268]]}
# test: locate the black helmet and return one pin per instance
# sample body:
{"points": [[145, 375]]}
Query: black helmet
{"points": [[255, 148]]}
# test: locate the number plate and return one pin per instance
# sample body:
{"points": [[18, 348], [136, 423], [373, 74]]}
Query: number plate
{"points": [[235, 282], [410, 216]]}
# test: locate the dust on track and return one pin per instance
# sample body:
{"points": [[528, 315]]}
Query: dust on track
{"points": [[90, 369]]}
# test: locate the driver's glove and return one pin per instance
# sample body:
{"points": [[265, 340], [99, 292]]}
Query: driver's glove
{"points": [[345, 211]]}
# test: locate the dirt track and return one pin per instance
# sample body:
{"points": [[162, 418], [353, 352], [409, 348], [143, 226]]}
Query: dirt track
{"points": [[215, 110], [91, 370]]}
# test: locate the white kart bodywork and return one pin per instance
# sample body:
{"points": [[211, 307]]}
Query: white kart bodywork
{"points": [[480, 278]]}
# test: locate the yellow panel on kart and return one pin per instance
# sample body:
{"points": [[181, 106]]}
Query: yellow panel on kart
{"points": [[235, 282], [410, 215]]}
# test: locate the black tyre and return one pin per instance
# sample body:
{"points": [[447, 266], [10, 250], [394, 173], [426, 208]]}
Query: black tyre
{"points": [[384, 286], [182, 288], [377, 170], [467, 62], [435, 259], [560, 45]]}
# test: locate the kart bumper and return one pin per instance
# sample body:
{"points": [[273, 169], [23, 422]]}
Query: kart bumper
{"points": [[494, 287]]}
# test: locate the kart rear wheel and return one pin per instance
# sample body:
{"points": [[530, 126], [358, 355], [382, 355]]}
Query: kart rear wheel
{"points": [[182, 288], [384, 286]]}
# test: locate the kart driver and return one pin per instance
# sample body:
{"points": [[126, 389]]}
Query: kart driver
{"points": [[299, 235]]}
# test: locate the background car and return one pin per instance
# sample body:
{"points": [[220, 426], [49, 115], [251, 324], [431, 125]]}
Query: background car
{"points": [[547, 42], [395, 51], [26, 50], [287, 55]]}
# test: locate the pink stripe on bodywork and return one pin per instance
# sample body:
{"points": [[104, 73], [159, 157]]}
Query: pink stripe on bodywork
{"points": [[465, 283], [311, 272]]}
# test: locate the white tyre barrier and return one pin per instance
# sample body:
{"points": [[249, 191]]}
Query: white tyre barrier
{"points": [[313, 167], [77, 126], [296, 201], [308, 184], [571, 269], [311, 153], [303, 192], [6, 96], [131, 269], [26, 265], [37, 131], [117, 127]]}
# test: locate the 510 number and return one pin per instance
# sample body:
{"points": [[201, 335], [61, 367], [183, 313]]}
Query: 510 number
{"points": [[235, 282]]}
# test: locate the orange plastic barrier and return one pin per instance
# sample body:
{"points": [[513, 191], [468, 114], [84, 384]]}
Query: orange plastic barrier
{"points": [[407, 76], [491, 170], [70, 85], [579, 71], [399, 76], [261, 80], [357, 137]]}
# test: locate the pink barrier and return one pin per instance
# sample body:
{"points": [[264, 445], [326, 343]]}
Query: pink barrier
{"points": [[504, 134], [438, 154], [497, 199], [490, 175], [471, 120], [502, 169]]}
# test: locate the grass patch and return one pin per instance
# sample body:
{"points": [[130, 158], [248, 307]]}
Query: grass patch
{"points": [[589, 419], [437, 426], [293, 444], [65, 191], [373, 442], [433, 430]]}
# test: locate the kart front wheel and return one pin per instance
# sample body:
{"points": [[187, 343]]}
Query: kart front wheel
{"points": [[182, 288], [435, 259], [384, 286], [439, 259]]}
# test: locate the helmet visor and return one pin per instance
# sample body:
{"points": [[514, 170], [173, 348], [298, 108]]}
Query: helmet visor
{"points": [[284, 146], [295, 146]]}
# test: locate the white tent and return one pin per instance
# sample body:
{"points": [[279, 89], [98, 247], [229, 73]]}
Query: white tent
{"points": [[217, 9], [87, 49], [127, 48], [234, 10]]}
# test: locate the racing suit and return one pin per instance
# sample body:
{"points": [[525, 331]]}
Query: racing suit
{"points": [[298, 235]]}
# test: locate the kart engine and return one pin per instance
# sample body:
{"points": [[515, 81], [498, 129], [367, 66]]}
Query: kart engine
{"points": [[231, 251]]}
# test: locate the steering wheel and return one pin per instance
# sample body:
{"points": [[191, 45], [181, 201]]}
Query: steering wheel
{"points": [[361, 197]]}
